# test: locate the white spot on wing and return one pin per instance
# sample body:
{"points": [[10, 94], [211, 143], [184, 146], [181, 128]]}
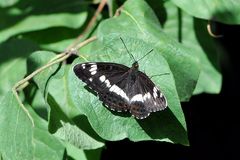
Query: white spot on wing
{"points": [[137, 97], [161, 95], [112, 88], [93, 68], [83, 66], [93, 72], [102, 78], [90, 79], [146, 96], [155, 95], [155, 92], [107, 83], [155, 89], [119, 91]]}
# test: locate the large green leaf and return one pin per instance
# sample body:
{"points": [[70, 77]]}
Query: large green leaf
{"points": [[138, 20], [40, 16], [13, 55], [7, 3], [54, 112], [218, 10], [192, 33], [61, 39], [53, 85], [44, 21], [168, 125], [20, 139]]}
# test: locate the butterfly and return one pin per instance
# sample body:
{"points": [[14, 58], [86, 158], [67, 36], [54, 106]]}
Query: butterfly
{"points": [[122, 88]]}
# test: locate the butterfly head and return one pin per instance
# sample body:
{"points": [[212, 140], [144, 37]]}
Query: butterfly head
{"points": [[135, 65]]}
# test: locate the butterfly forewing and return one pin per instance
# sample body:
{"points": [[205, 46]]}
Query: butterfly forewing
{"points": [[122, 88], [108, 80]]}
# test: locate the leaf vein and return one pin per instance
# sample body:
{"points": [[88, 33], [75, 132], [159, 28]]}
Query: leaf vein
{"points": [[138, 25]]}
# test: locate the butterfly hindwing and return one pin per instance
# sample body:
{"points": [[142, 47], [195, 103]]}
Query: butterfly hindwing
{"points": [[146, 98]]}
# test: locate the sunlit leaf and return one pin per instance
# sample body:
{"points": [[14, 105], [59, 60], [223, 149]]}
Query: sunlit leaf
{"points": [[218, 10], [141, 23], [20, 138], [168, 125]]}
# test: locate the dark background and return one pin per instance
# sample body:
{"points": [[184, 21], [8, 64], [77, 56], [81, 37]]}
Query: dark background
{"points": [[212, 120]]}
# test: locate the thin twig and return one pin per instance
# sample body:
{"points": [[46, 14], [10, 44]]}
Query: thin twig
{"points": [[90, 24], [80, 45], [57, 57], [40, 70], [22, 106], [64, 56]]}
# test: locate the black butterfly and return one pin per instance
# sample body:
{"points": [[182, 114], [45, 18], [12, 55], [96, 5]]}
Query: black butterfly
{"points": [[122, 88]]}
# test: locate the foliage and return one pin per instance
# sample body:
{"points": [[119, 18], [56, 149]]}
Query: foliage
{"points": [[70, 121]]}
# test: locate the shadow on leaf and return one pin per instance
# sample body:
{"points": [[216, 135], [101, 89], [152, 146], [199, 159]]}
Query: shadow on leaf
{"points": [[162, 125]]}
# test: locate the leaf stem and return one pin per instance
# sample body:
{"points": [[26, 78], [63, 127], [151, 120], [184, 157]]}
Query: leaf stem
{"points": [[90, 24], [22, 106]]}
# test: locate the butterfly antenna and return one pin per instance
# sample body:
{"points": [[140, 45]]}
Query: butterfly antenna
{"points": [[127, 49], [145, 55], [159, 75]]}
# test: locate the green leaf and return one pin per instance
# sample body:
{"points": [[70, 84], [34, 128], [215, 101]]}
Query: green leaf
{"points": [[37, 60], [192, 33], [138, 20], [64, 14], [13, 62], [20, 139], [75, 136], [217, 10], [7, 3], [62, 38], [34, 98], [54, 108], [168, 125], [46, 21], [53, 84], [77, 154], [61, 94]]}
